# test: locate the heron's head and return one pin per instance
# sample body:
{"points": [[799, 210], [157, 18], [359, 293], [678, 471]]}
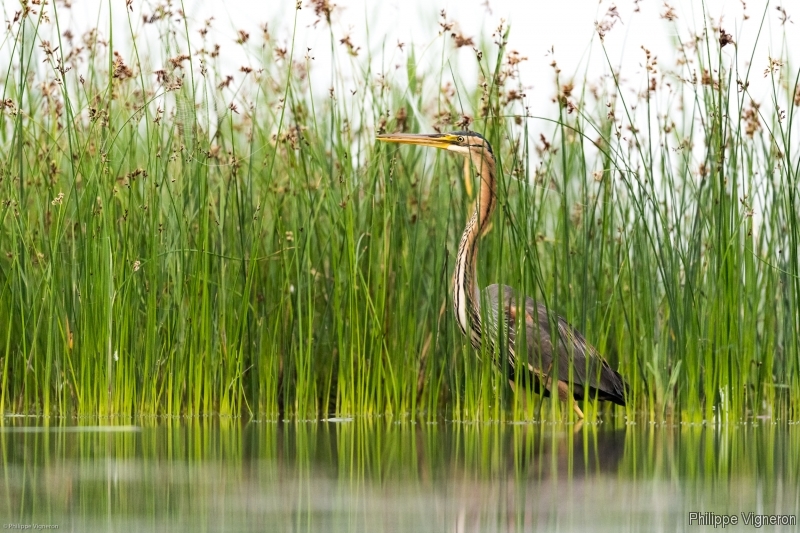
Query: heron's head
{"points": [[462, 142]]}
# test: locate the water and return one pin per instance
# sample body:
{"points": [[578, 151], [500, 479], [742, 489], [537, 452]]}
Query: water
{"points": [[373, 475]]}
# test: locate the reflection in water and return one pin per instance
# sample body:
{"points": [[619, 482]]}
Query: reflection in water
{"points": [[375, 475]]}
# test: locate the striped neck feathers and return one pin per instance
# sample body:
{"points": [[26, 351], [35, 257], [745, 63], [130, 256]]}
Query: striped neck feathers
{"points": [[466, 294]]}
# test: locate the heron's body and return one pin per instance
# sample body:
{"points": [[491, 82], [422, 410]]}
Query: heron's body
{"points": [[575, 366], [577, 360]]}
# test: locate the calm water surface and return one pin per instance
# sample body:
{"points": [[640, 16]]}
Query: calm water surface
{"points": [[374, 475]]}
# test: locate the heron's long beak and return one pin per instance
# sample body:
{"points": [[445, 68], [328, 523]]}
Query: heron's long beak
{"points": [[435, 140]]}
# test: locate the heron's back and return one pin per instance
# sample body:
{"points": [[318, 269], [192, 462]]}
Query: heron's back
{"points": [[576, 360]]}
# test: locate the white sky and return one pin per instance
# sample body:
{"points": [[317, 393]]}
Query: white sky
{"points": [[537, 26], [567, 26]]}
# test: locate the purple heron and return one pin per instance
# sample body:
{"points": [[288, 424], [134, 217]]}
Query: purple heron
{"points": [[574, 364]]}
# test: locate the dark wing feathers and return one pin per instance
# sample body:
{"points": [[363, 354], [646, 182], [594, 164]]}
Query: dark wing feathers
{"points": [[577, 360]]}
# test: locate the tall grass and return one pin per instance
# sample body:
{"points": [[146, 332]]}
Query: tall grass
{"points": [[178, 242]]}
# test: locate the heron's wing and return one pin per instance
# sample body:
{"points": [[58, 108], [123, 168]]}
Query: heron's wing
{"points": [[518, 364], [529, 365], [578, 361], [538, 356]]}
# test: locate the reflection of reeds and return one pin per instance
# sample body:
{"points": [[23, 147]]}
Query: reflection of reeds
{"points": [[378, 475], [181, 239]]}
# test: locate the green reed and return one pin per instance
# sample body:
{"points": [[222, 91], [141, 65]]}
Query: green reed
{"points": [[183, 243]]}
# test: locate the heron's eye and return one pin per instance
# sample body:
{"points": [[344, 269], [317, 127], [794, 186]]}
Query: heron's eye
{"points": [[460, 139]]}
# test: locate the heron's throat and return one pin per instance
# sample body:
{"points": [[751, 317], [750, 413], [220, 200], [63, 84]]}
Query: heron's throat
{"points": [[466, 294]]}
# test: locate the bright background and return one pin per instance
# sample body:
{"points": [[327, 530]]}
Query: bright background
{"points": [[566, 27]]}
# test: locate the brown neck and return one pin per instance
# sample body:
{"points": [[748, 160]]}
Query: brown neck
{"points": [[466, 295]]}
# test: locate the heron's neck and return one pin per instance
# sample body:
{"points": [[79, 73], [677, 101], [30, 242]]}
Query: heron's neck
{"points": [[466, 294]]}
